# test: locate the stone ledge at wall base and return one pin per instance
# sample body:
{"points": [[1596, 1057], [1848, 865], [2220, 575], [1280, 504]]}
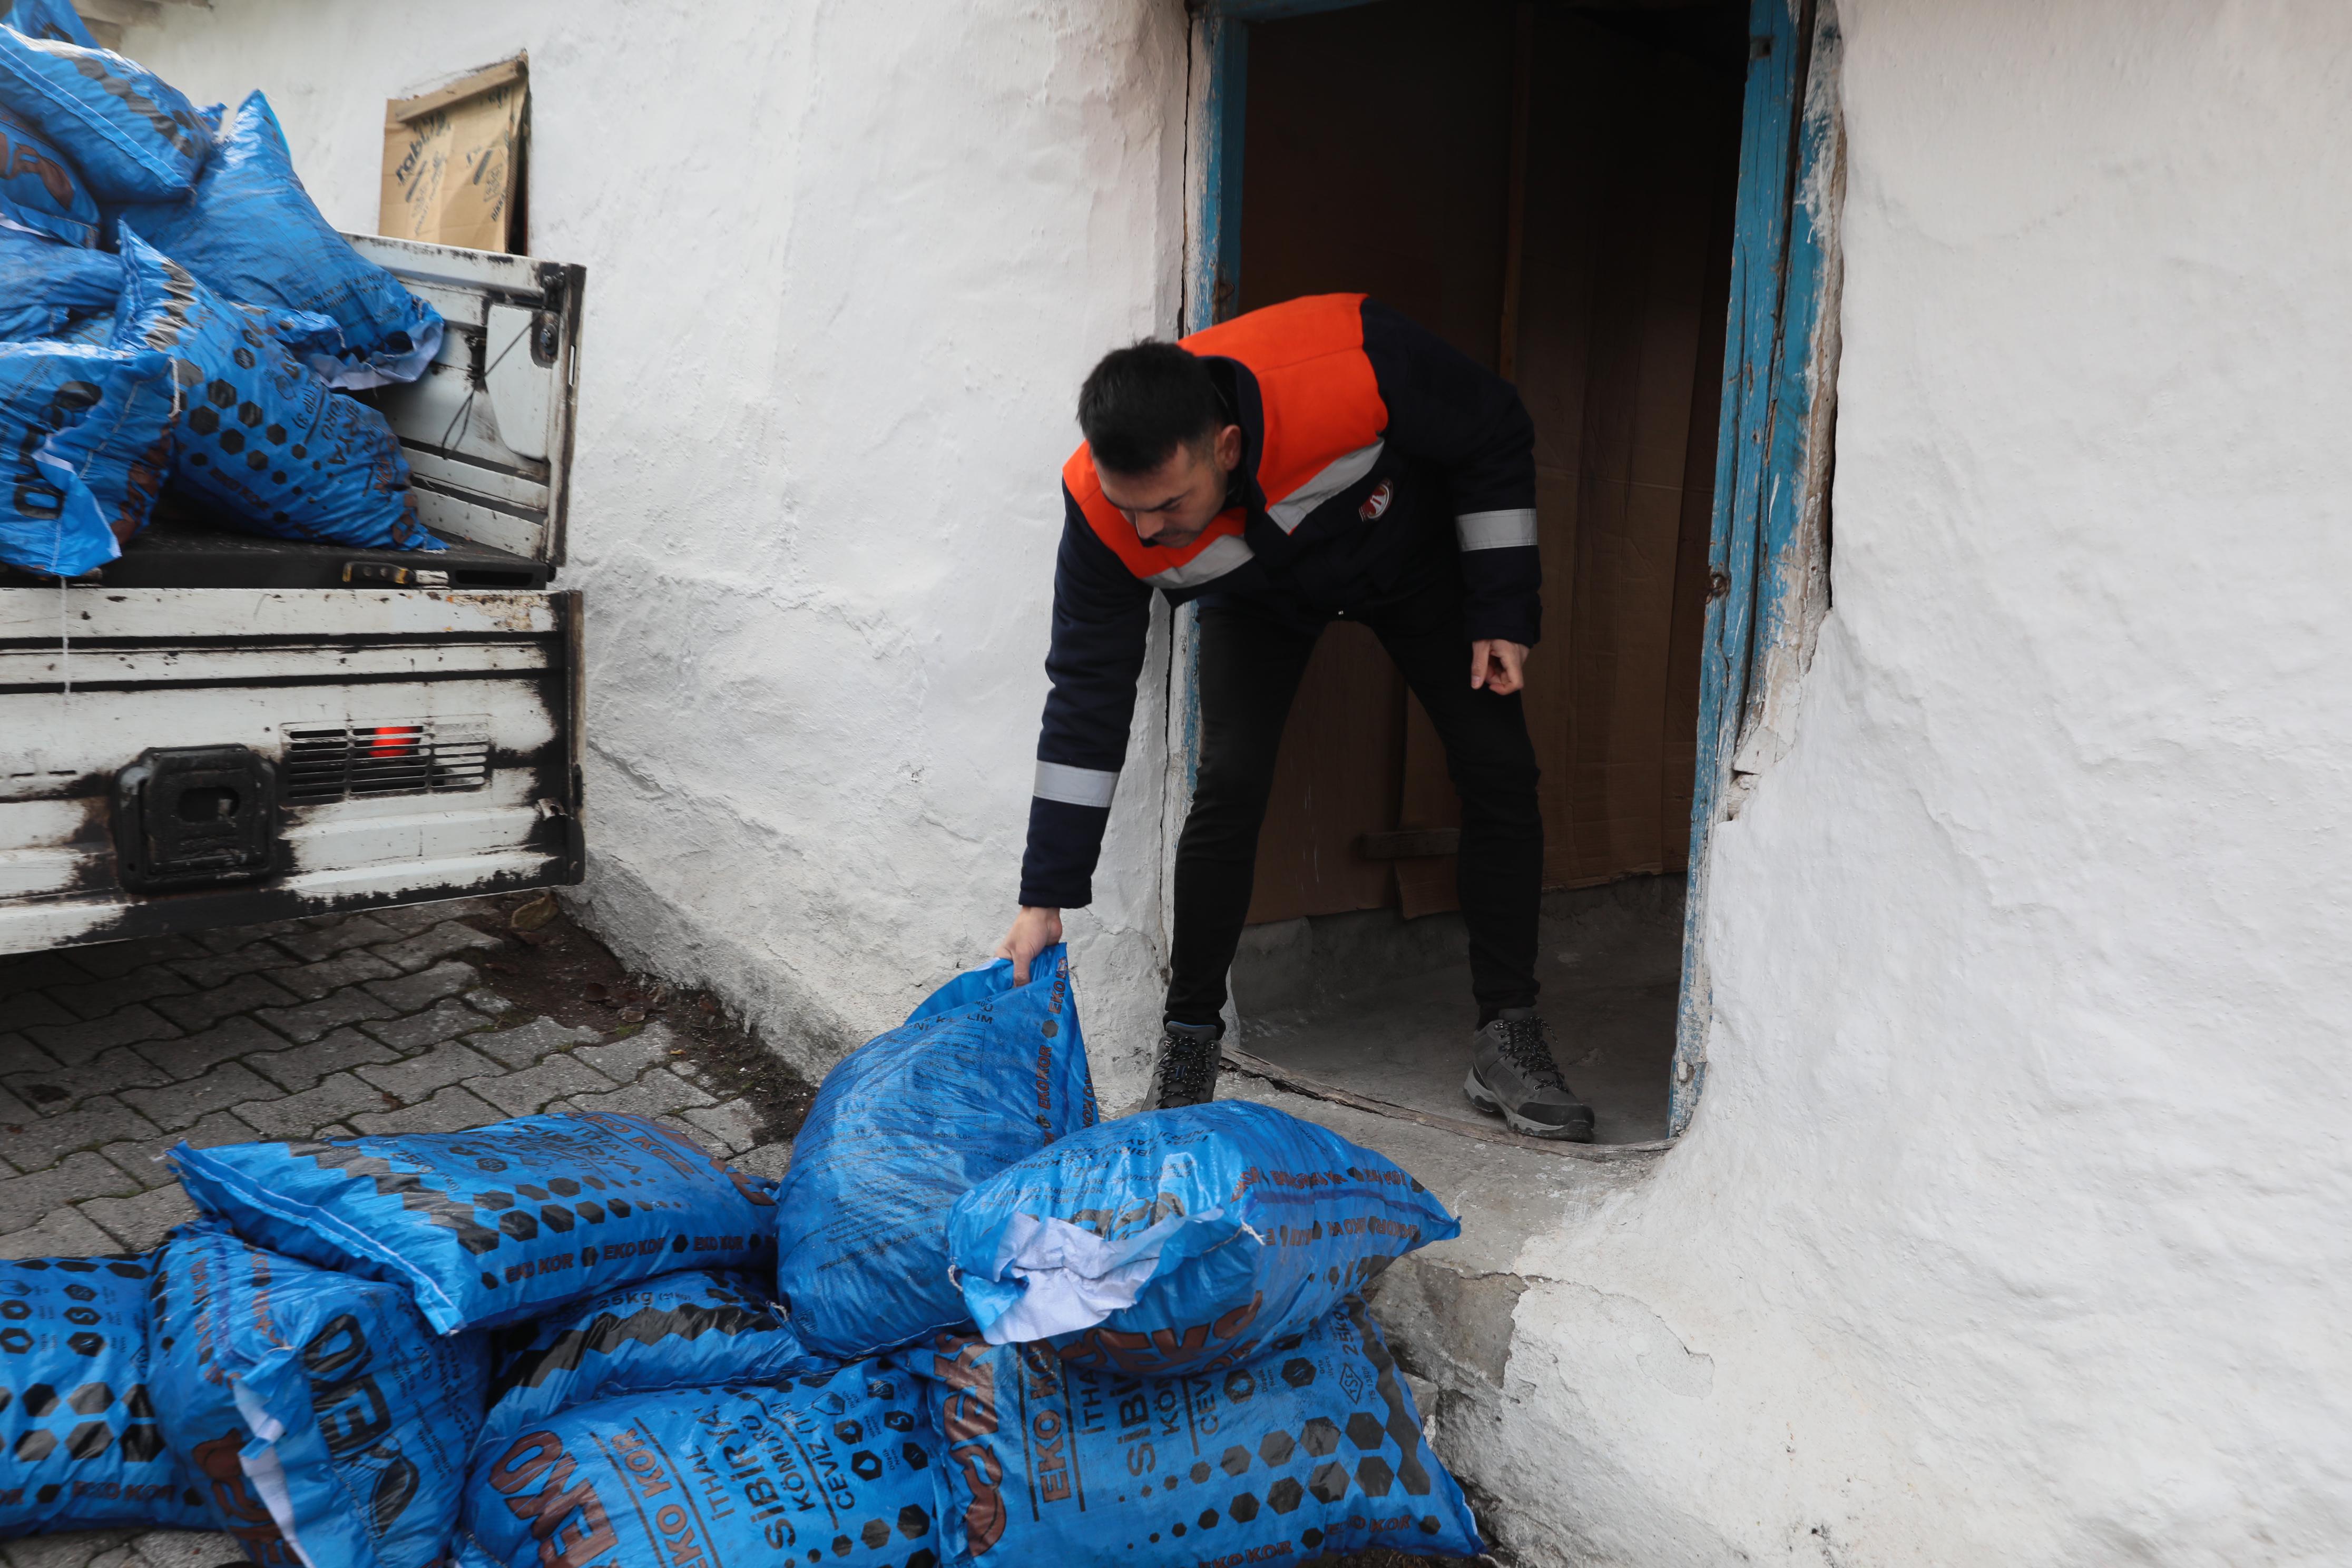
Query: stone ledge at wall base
{"points": [[1449, 1311]]}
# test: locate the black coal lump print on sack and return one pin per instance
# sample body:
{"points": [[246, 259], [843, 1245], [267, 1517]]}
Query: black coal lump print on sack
{"points": [[498, 1223], [275, 448], [1312, 1448], [77, 1420]]}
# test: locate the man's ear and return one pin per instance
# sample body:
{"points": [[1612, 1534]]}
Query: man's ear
{"points": [[1229, 448]]}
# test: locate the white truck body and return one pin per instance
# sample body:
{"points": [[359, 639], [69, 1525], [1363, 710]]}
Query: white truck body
{"points": [[226, 730]]}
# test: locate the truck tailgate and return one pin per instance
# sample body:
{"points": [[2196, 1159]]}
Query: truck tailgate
{"points": [[423, 744]]}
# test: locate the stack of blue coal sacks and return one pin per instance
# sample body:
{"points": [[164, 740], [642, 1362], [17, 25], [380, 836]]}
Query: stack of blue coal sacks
{"points": [[1136, 1341], [973, 1324], [174, 312]]}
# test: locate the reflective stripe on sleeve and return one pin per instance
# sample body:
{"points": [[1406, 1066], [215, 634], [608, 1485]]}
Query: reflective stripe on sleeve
{"points": [[1075, 787], [1221, 556], [1497, 529], [1338, 474]]}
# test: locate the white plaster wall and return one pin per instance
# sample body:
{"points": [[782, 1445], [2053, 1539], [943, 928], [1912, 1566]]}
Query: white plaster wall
{"points": [[848, 261], [2015, 1224], [2011, 1228]]}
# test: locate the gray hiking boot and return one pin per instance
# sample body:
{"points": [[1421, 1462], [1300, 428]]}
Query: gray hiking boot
{"points": [[1512, 1076], [1189, 1059]]}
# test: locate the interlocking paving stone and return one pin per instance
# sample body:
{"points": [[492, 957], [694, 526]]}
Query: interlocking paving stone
{"points": [[770, 1160], [656, 1093], [28, 1008], [731, 1126], [192, 1053], [428, 947], [64, 1233], [101, 1120], [16, 1051], [410, 918], [312, 981], [623, 1060], [412, 1079], [318, 941], [108, 959], [484, 1000], [53, 1092], [424, 987], [298, 1069], [228, 939], [312, 1020], [139, 1223], [14, 1112], [95, 998], [335, 1098], [26, 1201], [230, 1086], [31, 971], [185, 1548], [73, 1043], [526, 1043], [446, 1020], [531, 1090], [206, 972], [242, 995], [451, 1111], [143, 1163]]}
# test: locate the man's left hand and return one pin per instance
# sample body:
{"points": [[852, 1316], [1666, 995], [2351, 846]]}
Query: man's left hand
{"points": [[1498, 666]]}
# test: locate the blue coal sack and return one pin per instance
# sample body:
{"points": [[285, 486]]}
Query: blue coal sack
{"points": [[44, 286], [832, 1468], [132, 135], [1313, 1449], [1182, 1240], [49, 19], [276, 451], [495, 1225], [325, 1420], [252, 233], [984, 1073], [87, 437], [78, 1402], [693, 1328], [40, 192]]}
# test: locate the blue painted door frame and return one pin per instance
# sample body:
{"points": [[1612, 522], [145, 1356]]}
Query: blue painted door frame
{"points": [[1766, 469]]}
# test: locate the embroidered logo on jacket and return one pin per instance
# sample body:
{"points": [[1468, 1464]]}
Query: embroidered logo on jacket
{"points": [[1378, 501]]}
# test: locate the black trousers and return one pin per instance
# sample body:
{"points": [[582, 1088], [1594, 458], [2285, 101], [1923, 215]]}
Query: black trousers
{"points": [[1251, 664]]}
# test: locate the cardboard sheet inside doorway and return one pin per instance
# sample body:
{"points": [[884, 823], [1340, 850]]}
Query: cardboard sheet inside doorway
{"points": [[1383, 154]]}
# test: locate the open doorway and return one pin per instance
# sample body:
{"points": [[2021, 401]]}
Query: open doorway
{"points": [[1552, 188]]}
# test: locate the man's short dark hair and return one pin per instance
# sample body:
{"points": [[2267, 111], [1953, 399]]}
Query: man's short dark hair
{"points": [[1144, 401]]}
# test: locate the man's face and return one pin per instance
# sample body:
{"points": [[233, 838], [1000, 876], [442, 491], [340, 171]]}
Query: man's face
{"points": [[1174, 503]]}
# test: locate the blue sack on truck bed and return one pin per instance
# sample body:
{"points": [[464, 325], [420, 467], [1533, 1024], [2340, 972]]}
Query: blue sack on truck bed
{"points": [[1181, 1240], [327, 1421], [49, 19], [134, 136], [43, 285], [39, 191], [267, 441], [979, 1075], [697, 1327], [252, 233], [834, 1466], [498, 1223], [1313, 1449], [78, 1425], [85, 444]]}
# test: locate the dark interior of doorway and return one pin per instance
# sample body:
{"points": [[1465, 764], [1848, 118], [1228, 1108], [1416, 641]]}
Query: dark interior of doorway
{"points": [[1550, 187]]}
